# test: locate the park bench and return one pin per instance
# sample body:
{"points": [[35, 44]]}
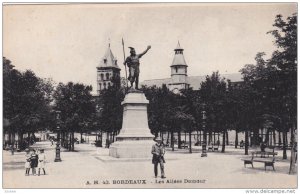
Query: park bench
{"points": [[213, 147], [260, 157]]}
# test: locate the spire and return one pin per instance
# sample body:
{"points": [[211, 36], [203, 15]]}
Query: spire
{"points": [[178, 48], [178, 58], [108, 60]]}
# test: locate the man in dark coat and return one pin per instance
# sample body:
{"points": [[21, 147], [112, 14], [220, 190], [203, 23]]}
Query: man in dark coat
{"points": [[158, 152]]}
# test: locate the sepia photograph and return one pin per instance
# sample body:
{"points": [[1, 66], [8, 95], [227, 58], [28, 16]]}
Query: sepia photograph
{"points": [[150, 96]]}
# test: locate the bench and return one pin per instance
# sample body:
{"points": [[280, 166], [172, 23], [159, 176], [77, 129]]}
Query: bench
{"points": [[255, 158], [213, 147]]}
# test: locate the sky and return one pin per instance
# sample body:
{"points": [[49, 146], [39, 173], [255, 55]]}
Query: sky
{"points": [[67, 42]]}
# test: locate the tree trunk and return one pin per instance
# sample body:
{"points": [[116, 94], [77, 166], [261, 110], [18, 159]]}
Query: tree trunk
{"points": [[101, 138], [209, 137], [236, 143], [246, 142], [72, 141], [20, 140], [267, 137], [279, 138], [190, 141], [214, 138], [184, 138], [162, 136], [200, 138], [179, 140], [284, 155], [274, 137], [81, 140], [172, 140], [224, 141], [227, 139], [293, 154]]}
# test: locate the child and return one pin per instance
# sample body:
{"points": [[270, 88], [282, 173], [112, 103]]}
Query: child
{"points": [[27, 162], [42, 160], [34, 161]]}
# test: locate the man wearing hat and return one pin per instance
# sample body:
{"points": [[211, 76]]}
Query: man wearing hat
{"points": [[158, 152], [133, 63]]}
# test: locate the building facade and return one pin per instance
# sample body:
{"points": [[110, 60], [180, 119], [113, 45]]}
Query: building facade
{"points": [[179, 78]]}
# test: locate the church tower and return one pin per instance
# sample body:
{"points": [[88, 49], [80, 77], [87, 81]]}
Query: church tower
{"points": [[108, 72], [178, 71]]}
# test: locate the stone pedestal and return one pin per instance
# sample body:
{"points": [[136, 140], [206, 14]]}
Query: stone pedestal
{"points": [[135, 139]]}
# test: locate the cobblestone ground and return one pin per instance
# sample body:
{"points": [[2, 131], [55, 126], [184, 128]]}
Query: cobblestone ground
{"points": [[85, 168]]}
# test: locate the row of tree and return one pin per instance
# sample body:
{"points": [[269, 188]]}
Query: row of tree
{"points": [[265, 99]]}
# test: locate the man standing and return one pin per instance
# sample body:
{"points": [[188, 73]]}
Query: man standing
{"points": [[158, 152], [133, 63]]}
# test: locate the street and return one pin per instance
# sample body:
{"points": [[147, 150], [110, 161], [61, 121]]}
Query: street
{"points": [[89, 167]]}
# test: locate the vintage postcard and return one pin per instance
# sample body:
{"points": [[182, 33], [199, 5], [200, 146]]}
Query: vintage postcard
{"points": [[150, 95]]}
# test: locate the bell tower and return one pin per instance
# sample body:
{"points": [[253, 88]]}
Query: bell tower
{"points": [[178, 71], [108, 72]]}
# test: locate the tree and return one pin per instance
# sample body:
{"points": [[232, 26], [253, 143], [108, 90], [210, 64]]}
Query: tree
{"points": [[27, 101], [74, 101], [111, 114], [214, 95], [285, 60]]}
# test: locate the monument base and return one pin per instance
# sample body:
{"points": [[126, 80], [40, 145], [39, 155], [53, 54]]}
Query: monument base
{"points": [[135, 139], [131, 149]]}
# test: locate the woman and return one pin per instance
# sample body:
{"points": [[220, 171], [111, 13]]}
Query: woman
{"points": [[34, 161], [27, 162], [42, 160]]}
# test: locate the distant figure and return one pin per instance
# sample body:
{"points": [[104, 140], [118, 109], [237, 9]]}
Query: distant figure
{"points": [[12, 149], [34, 161], [158, 152], [133, 63], [27, 161], [242, 143], [42, 160], [51, 141], [262, 146]]}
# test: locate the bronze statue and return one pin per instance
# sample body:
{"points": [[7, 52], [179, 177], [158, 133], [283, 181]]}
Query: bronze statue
{"points": [[133, 63]]}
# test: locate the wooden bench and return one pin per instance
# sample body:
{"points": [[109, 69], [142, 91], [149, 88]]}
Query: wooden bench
{"points": [[256, 158]]}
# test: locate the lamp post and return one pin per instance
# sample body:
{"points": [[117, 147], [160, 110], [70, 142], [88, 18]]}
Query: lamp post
{"points": [[203, 112], [57, 149]]}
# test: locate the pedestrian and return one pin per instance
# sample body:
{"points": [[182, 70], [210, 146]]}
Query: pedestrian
{"points": [[42, 160], [51, 141], [27, 162], [158, 152], [12, 149], [34, 161]]}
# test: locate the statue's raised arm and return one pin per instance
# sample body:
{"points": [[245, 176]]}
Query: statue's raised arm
{"points": [[148, 48]]}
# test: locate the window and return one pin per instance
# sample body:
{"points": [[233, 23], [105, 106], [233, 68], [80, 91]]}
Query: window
{"points": [[108, 84], [105, 60], [107, 76], [100, 86], [176, 69], [104, 85], [102, 76]]}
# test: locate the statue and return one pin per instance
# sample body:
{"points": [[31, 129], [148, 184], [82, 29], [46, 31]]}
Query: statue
{"points": [[133, 64]]}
